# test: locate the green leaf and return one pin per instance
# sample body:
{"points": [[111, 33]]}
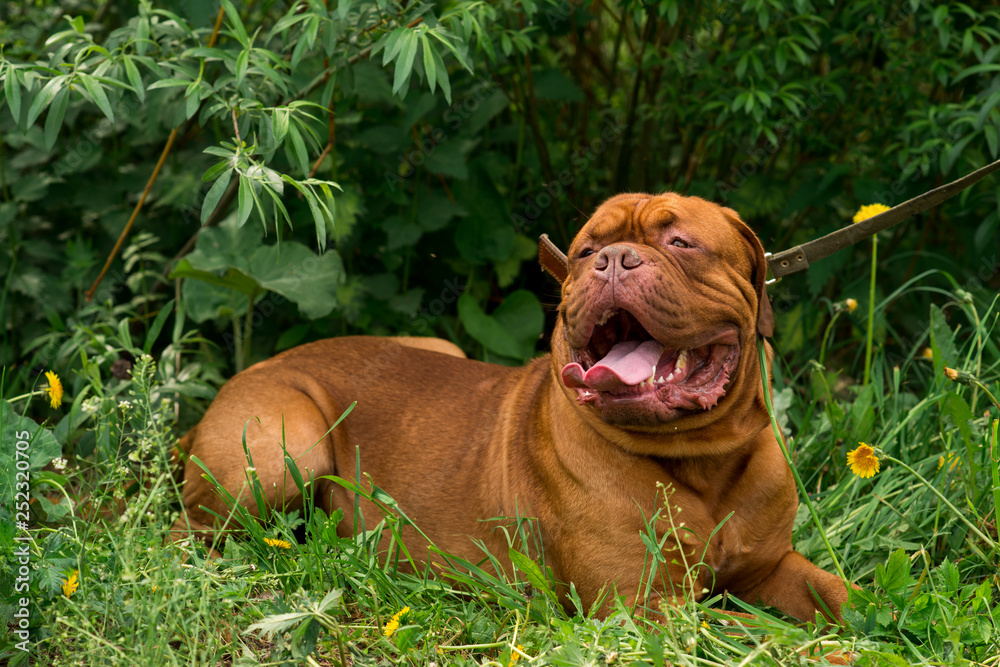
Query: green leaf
{"points": [[948, 157], [319, 219], [296, 148], [512, 330], [12, 92], [97, 93], [279, 623], [44, 97], [508, 270], [225, 246], [169, 83], [991, 139], [960, 413], [404, 64], [57, 111], [215, 171], [893, 577], [207, 296], [42, 446], [942, 342], [300, 275], [134, 78], [442, 75], [154, 330], [862, 414], [430, 68], [393, 44], [242, 62], [245, 201], [214, 195], [236, 22], [532, 572]]}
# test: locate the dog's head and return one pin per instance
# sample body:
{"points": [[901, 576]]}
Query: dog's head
{"points": [[660, 314]]}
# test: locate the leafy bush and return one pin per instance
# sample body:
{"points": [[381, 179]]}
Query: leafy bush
{"points": [[287, 171]]}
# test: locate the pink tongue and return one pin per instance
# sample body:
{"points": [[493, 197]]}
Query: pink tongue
{"points": [[628, 363]]}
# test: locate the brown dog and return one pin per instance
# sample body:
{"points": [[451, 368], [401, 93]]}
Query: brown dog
{"points": [[653, 378]]}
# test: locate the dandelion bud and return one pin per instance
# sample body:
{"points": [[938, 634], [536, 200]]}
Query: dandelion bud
{"points": [[960, 377]]}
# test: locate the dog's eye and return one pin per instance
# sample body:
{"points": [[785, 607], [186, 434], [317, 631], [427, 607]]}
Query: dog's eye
{"points": [[680, 243], [586, 252]]}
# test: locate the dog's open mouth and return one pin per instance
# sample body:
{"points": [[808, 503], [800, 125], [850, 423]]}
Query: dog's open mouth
{"points": [[622, 361]]}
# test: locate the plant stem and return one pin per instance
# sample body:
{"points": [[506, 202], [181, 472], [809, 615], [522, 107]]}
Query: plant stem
{"points": [[947, 502], [995, 469], [788, 458], [826, 336], [871, 313], [986, 391]]}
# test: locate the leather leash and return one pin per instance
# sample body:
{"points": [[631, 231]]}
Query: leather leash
{"points": [[796, 259]]}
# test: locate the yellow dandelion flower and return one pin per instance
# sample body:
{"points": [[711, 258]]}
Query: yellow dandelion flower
{"points": [[951, 460], [927, 353], [515, 656], [852, 305], [863, 461], [54, 390], [70, 583], [869, 211], [704, 624], [278, 544], [393, 624]]}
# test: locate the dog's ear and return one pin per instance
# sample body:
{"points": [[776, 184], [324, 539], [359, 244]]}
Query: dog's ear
{"points": [[765, 316]]}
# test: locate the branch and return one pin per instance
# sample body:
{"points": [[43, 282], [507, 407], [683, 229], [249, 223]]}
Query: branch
{"points": [[149, 184]]}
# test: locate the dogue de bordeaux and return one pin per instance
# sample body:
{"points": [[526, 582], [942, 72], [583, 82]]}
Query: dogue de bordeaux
{"points": [[653, 378]]}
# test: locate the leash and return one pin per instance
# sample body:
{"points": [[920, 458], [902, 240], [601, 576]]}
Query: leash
{"points": [[796, 259]]}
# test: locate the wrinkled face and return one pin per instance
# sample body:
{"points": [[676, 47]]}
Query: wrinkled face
{"points": [[660, 310]]}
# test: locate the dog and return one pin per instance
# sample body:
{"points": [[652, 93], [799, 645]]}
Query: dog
{"points": [[650, 406]]}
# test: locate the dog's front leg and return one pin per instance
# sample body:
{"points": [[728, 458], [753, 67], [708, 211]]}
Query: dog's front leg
{"points": [[800, 589]]}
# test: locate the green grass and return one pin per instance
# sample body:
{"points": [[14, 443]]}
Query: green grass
{"points": [[919, 538]]}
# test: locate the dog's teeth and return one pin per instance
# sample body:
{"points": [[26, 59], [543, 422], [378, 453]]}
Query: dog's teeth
{"points": [[608, 314], [670, 378], [660, 380], [682, 360]]}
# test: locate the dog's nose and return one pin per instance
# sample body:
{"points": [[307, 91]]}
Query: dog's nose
{"points": [[617, 256]]}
